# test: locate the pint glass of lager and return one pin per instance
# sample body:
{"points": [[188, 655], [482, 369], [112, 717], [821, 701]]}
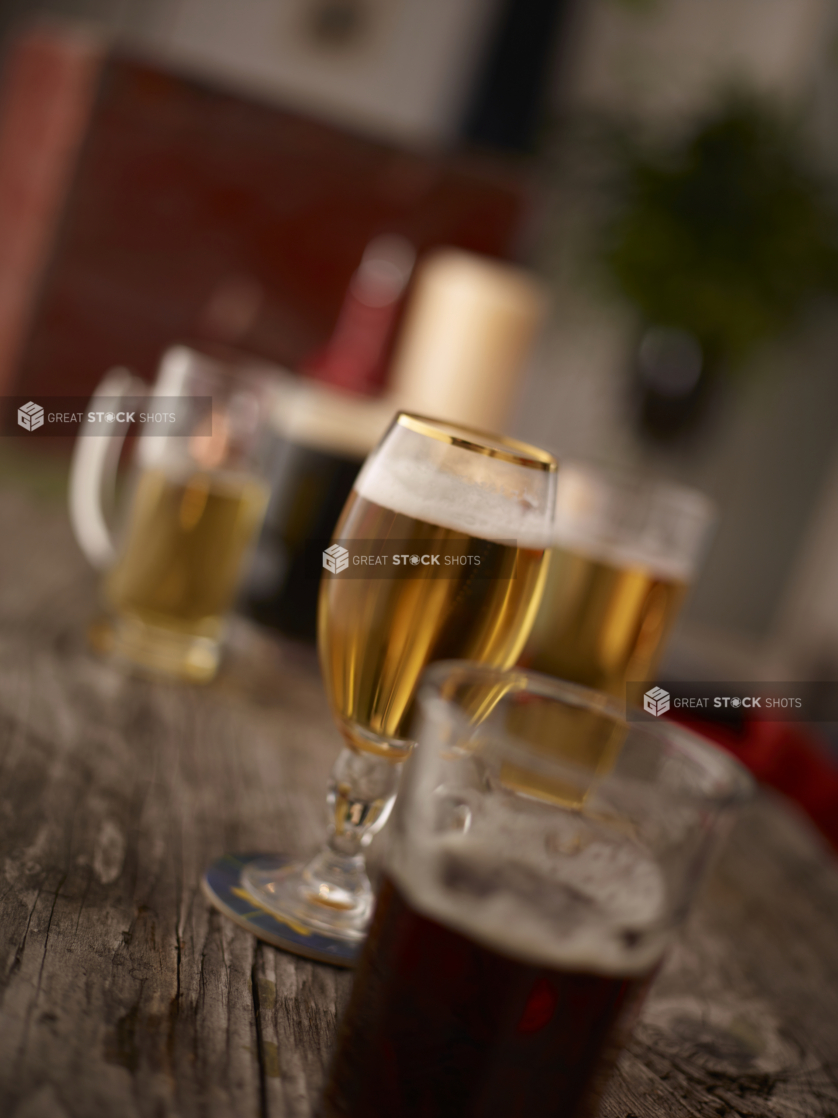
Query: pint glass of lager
{"points": [[514, 939], [441, 552], [625, 552]]}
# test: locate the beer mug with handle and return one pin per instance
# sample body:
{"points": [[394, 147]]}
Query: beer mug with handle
{"points": [[194, 506], [527, 900]]}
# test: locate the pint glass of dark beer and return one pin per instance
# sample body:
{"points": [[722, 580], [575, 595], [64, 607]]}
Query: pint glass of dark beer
{"points": [[529, 895]]}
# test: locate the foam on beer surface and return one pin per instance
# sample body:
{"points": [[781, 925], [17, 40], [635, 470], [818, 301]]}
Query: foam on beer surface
{"points": [[459, 490], [597, 910], [623, 556], [656, 527]]}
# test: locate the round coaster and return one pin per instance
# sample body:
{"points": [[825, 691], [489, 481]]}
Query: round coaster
{"points": [[222, 888]]}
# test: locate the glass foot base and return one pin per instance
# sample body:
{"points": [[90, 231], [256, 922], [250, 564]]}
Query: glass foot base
{"points": [[223, 888], [160, 651], [314, 895]]}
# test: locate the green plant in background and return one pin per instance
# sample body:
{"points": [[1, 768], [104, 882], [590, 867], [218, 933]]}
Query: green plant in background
{"points": [[726, 233]]}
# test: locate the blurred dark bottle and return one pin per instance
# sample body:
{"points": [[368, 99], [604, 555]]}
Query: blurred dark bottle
{"points": [[321, 438], [527, 49]]}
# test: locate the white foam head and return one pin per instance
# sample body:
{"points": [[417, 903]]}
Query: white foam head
{"points": [[457, 488], [583, 902], [631, 522]]}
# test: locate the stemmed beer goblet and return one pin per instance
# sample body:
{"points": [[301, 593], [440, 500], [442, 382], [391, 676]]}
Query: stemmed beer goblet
{"points": [[445, 537]]}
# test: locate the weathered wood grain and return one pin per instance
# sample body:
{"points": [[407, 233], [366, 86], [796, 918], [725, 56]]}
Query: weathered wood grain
{"points": [[743, 1019], [123, 993]]}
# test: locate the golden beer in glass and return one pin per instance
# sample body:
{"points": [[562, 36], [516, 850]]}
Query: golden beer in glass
{"points": [[413, 621], [625, 553], [190, 516], [185, 542]]}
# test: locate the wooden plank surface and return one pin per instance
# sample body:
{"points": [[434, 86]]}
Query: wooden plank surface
{"points": [[123, 993]]}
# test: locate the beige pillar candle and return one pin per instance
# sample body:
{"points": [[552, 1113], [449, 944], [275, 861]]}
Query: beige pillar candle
{"points": [[466, 337]]}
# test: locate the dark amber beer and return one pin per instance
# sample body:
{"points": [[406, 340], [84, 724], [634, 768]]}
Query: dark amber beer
{"points": [[319, 438], [500, 1034], [528, 896]]}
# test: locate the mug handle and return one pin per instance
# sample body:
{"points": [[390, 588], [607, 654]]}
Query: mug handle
{"points": [[93, 471]]}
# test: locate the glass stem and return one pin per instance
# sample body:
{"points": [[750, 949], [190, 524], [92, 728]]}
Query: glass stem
{"points": [[362, 790]]}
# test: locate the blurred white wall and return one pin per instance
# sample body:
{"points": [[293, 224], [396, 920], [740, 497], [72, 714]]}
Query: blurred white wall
{"points": [[664, 57], [400, 68]]}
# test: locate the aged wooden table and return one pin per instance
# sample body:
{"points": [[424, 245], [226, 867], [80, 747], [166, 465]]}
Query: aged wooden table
{"points": [[122, 993]]}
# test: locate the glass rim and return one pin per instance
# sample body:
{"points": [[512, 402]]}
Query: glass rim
{"points": [[737, 783], [479, 442], [227, 370]]}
